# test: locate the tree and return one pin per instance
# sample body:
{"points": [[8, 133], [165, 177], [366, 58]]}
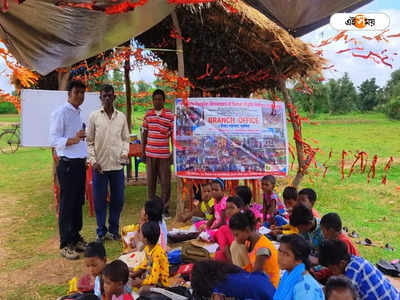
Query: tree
{"points": [[342, 95], [369, 95]]}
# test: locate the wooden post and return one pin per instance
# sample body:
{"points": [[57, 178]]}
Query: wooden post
{"points": [[296, 128], [180, 204], [127, 69]]}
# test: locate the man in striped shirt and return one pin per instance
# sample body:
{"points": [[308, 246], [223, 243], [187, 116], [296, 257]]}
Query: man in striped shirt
{"points": [[157, 132]]}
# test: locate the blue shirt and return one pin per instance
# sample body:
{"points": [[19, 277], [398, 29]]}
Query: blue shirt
{"points": [[369, 281], [308, 288], [65, 122], [246, 286]]}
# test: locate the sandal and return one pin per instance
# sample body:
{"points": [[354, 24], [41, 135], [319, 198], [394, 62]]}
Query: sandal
{"points": [[387, 268], [388, 247], [354, 234]]}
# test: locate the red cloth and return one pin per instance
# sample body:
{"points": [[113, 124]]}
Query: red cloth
{"points": [[315, 213], [350, 247], [224, 237]]}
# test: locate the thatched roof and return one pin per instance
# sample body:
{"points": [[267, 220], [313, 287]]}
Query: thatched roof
{"points": [[253, 50]]}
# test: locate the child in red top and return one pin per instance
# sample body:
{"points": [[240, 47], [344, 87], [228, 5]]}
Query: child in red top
{"points": [[331, 227], [307, 197]]}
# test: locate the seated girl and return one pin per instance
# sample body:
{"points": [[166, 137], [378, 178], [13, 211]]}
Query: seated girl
{"points": [[246, 195], [274, 212], [296, 283], [218, 280], [218, 219], [131, 234], [203, 208], [154, 270], [243, 227], [224, 236]]}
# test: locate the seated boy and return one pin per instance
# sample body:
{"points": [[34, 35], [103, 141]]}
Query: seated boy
{"points": [[290, 199], [308, 225], [308, 197], [369, 282], [115, 277], [340, 288], [331, 227], [155, 267], [95, 260]]}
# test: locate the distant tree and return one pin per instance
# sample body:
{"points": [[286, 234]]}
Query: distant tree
{"points": [[342, 95], [369, 95]]}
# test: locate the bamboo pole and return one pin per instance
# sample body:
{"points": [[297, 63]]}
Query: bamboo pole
{"points": [[180, 204], [296, 128]]}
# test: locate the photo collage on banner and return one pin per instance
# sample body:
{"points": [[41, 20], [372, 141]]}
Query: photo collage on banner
{"points": [[230, 138]]}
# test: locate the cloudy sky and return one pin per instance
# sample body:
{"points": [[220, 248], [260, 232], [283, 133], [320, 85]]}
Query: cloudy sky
{"points": [[357, 68]]}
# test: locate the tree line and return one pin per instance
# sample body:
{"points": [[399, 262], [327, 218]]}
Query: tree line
{"points": [[341, 96]]}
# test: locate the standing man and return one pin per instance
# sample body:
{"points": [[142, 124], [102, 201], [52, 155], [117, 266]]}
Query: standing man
{"points": [[108, 147], [158, 124], [67, 132]]}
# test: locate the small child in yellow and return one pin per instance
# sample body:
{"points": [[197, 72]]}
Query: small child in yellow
{"points": [[155, 267], [290, 199]]}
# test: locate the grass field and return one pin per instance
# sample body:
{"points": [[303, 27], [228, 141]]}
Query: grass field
{"points": [[30, 266]]}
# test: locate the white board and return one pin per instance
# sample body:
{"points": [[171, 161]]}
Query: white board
{"points": [[36, 109]]}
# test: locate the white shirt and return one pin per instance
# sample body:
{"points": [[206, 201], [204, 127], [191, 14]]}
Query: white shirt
{"points": [[108, 139], [65, 122]]}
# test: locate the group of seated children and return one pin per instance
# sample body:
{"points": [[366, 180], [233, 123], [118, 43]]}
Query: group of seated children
{"points": [[304, 239], [247, 264]]}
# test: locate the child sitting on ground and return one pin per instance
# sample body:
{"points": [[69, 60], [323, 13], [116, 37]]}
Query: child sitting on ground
{"points": [[340, 288], [224, 236], [95, 260], [290, 199], [273, 209], [203, 209], [246, 195], [155, 267], [115, 277], [152, 211], [331, 226], [218, 218], [308, 197], [308, 225]]}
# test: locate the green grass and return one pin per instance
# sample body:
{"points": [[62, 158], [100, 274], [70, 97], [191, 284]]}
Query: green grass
{"points": [[27, 209]]}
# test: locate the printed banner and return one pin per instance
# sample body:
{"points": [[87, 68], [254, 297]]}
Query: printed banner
{"points": [[230, 138]]}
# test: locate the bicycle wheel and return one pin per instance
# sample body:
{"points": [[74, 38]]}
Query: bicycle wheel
{"points": [[9, 142]]}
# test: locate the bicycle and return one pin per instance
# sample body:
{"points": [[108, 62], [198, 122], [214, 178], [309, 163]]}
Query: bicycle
{"points": [[10, 139]]}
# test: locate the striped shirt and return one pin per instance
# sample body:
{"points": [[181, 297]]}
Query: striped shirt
{"points": [[159, 130]]}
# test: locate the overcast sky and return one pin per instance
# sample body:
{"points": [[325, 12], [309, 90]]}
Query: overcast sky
{"points": [[358, 69]]}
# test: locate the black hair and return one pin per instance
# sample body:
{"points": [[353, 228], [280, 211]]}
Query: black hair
{"points": [[76, 84], [332, 220], [289, 192], [340, 283], [84, 297], [207, 274], [95, 249], [269, 178], [301, 215], [299, 246], [310, 193], [117, 271], [151, 231], [107, 88], [236, 200], [332, 253], [159, 92], [244, 193], [220, 182], [154, 209], [242, 220]]}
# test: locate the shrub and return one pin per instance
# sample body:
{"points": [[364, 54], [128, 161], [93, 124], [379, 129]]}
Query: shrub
{"points": [[392, 108]]}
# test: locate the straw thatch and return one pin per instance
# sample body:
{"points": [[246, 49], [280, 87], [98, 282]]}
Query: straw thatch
{"points": [[252, 49]]}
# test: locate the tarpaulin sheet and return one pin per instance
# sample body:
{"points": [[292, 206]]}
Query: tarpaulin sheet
{"points": [[43, 36], [299, 17]]}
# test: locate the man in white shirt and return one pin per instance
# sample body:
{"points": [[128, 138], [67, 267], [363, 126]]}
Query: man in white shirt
{"points": [[108, 147], [67, 137]]}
